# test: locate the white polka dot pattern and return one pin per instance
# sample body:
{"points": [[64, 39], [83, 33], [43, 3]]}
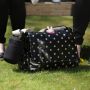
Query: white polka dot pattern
{"points": [[48, 51]]}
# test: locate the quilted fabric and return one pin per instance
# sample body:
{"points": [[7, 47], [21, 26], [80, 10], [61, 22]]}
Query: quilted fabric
{"points": [[49, 51]]}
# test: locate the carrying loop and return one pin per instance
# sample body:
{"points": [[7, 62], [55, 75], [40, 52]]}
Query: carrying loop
{"points": [[52, 30]]}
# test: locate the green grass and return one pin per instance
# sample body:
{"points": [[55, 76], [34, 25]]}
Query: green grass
{"points": [[64, 79]]}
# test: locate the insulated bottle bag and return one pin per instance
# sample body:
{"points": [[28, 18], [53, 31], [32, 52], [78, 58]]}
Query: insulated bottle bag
{"points": [[14, 51], [44, 50]]}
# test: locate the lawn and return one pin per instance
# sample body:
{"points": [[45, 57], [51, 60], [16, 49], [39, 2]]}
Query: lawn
{"points": [[64, 79]]}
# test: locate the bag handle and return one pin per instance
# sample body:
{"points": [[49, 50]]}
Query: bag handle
{"points": [[51, 29]]}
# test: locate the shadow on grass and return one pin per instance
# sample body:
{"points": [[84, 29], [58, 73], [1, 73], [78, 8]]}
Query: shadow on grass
{"points": [[85, 52], [80, 68]]}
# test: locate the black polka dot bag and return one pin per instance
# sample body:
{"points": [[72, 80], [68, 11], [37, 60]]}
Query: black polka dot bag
{"points": [[51, 48]]}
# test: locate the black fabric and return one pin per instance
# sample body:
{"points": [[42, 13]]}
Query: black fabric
{"points": [[27, 0], [17, 12], [81, 19], [43, 50], [14, 51]]}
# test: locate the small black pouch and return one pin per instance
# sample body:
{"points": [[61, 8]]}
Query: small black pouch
{"points": [[14, 50]]}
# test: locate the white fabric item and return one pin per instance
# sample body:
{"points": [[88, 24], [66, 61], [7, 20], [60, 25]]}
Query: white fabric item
{"points": [[2, 48], [34, 1], [56, 1], [18, 32]]}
